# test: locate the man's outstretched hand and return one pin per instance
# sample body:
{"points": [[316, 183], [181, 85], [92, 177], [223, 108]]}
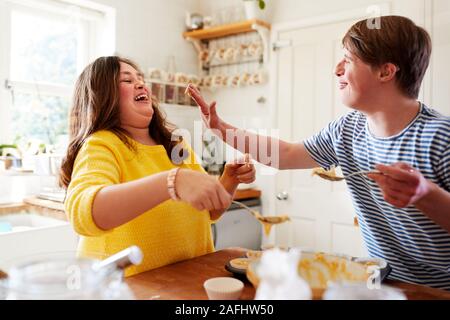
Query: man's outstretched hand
{"points": [[208, 111]]}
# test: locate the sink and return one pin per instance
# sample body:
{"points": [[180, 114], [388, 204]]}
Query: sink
{"points": [[26, 221], [27, 233]]}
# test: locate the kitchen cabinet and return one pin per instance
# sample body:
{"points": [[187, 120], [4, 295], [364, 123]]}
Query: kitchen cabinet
{"points": [[238, 228]]}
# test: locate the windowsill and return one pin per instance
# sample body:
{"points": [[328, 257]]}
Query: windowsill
{"points": [[44, 208], [14, 173], [22, 173]]}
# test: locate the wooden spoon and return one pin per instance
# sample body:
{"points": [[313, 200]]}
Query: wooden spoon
{"points": [[266, 221], [330, 175]]}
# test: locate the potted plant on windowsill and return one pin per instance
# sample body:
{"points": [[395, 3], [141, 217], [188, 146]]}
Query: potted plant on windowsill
{"points": [[253, 8], [10, 156]]}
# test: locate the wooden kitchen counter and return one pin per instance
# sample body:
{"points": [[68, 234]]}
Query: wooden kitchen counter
{"points": [[247, 194], [184, 280]]}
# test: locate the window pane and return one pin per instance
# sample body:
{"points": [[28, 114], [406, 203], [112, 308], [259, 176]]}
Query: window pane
{"points": [[40, 117], [43, 48]]}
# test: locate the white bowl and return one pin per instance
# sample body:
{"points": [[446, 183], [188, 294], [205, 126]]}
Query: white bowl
{"points": [[223, 288]]}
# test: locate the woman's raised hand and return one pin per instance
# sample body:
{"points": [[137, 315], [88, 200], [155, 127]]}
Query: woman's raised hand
{"points": [[240, 171], [201, 191], [208, 111]]}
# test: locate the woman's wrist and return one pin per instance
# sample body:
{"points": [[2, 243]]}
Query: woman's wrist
{"points": [[229, 183], [223, 128], [171, 184]]}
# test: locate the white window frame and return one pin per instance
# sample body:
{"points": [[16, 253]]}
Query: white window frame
{"points": [[98, 28]]}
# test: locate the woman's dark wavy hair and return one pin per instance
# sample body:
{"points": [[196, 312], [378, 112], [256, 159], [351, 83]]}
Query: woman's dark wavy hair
{"points": [[96, 107]]}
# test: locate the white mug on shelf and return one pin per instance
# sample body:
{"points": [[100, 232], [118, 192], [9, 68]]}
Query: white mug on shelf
{"points": [[229, 54], [207, 82], [225, 80], [243, 50], [259, 77], [216, 81], [245, 79], [220, 55], [235, 81], [255, 49], [204, 56]]}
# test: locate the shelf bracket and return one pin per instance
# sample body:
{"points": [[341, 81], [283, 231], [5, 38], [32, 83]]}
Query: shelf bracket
{"points": [[198, 47], [264, 34], [197, 44], [8, 85]]}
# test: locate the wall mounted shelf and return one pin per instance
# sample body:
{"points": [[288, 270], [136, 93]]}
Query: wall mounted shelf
{"points": [[227, 30], [201, 40]]}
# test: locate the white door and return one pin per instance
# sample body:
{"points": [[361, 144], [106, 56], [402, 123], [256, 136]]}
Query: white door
{"points": [[440, 68], [307, 100]]}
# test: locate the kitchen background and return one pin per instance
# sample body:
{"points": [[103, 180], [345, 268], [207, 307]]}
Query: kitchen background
{"points": [[295, 96]]}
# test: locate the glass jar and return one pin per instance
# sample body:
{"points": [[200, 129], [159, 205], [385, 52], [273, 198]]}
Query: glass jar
{"points": [[158, 91], [64, 278], [171, 94], [358, 291]]}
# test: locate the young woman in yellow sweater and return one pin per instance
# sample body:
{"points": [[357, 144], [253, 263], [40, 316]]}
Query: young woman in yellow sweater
{"points": [[126, 180]]}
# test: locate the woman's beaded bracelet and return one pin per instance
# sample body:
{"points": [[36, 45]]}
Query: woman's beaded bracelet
{"points": [[171, 187]]}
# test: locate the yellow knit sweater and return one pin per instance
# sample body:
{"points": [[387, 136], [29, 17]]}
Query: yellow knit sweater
{"points": [[168, 233]]}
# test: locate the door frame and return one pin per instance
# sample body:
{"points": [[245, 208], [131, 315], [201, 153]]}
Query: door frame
{"points": [[277, 29]]}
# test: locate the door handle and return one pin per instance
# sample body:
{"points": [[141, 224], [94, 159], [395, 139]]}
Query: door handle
{"points": [[283, 196]]}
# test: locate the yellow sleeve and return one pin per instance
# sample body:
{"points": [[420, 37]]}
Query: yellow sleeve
{"points": [[95, 168], [192, 163]]}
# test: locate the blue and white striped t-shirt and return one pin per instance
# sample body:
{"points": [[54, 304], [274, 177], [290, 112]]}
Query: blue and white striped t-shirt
{"points": [[417, 249]]}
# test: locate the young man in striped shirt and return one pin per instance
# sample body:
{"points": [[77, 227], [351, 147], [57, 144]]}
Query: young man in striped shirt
{"points": [[404, 213]]}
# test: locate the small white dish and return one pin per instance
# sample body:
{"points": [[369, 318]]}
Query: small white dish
{"points": [[223, 288]]}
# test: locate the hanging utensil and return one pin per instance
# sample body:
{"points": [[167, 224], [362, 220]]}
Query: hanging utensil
{"points": [[121, 260]]}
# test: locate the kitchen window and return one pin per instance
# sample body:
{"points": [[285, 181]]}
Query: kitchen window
{"points": [[48, 43]]}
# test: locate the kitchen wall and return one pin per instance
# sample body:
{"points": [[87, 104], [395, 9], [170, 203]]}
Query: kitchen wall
{"points": [[149, 31], [279, 11]]}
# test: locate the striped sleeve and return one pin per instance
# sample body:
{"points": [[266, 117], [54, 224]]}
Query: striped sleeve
{"points": [[321, 145], [443, 169], [95, 168]]}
